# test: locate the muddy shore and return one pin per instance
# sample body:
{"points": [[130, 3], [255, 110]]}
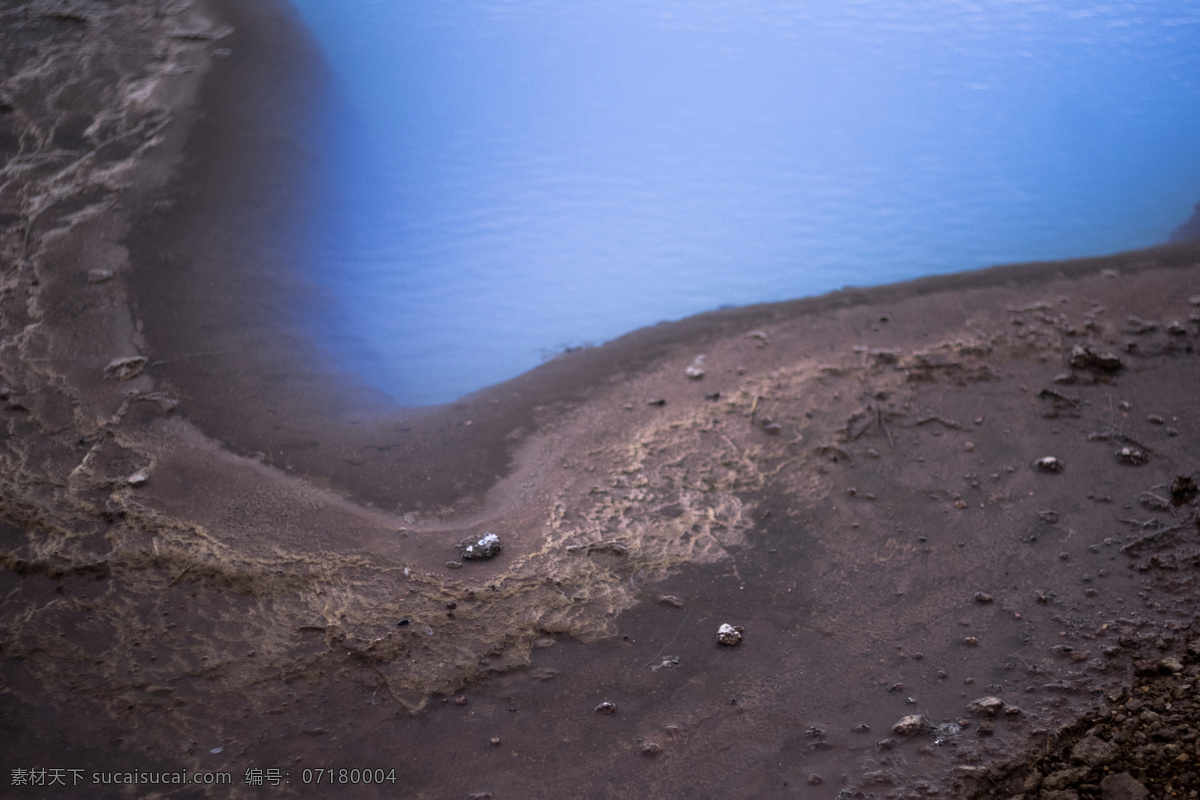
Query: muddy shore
{"points": [[219, 555]]}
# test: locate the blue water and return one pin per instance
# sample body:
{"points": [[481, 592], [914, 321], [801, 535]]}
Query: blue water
{"points": [[513, 177]]}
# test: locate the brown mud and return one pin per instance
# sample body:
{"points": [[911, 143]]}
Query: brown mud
{"points": [[218, 555]]}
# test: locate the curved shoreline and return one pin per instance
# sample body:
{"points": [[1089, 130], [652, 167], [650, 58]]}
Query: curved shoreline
{"points": [[213, 559]]}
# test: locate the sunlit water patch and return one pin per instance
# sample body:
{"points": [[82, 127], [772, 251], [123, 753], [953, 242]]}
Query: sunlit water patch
{"points": [[512, 178]]}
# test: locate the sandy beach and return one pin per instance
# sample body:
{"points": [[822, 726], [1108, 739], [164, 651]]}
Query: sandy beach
{"points": [[968, 499]]}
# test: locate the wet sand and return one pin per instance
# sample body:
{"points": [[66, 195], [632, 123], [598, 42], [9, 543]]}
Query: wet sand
{"points": [[220, 555]]}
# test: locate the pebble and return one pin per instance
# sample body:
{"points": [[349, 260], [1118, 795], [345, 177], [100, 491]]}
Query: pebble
{"points": [[986, 706], [651, 749], [123, 369], [1049, 464], [815, 779], [695, 370], [1183, 489], [907, 726], [461, 700], [728, 635], [983, 597], [479, 549], [1093, 751], [1132, 455], [495, 741], [1122, 786], [1087, 358], [606, 707], [670, 600], [138, 478]]}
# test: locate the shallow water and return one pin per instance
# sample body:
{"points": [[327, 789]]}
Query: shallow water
{"points": [[510, 179]]}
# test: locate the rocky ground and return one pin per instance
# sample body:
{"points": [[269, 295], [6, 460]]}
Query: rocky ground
{"points": [[1138, 743]]}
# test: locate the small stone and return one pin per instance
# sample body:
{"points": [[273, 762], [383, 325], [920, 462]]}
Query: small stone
{"points": [[1094, 751], [651, 749], [986, 706], [907, 726], [656, 401], [713, 396], [1170, 664], [759, 336], [479, 549], [728, 635], [1122, 786], [1087, 358], [606, 707], [1048, 517], [772, 428], [971, 641], [815, 779], [670, 600], [1063, 778], [454, 565], [983, 597], [969, 446], [1138, 326], [461, 700], [1155, 419], [495, 741], [99, 275], [1133, 456], [1176, 328], [138, 478], [1183, 489], [123, 369], [1048, 464], [695, 370]]}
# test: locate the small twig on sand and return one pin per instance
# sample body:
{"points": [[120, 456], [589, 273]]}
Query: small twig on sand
{"points": [[181, 574], [1150, 537], [673, 638]]}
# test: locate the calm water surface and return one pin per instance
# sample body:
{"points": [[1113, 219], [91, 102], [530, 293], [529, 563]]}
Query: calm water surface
{"points": [[512, 177]]}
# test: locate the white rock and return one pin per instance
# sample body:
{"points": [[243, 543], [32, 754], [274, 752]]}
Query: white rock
{"points": [[728, 635], [907, 726]]}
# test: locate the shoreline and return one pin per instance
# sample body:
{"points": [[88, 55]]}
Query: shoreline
{"points": [[218, 556]]}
